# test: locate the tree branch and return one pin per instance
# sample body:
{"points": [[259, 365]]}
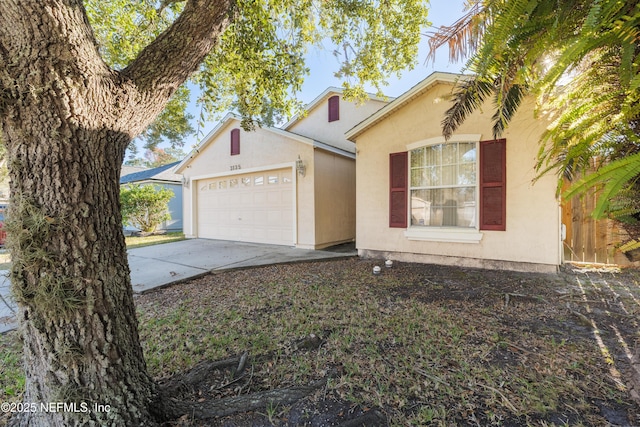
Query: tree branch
{"points": [[169, 60]]}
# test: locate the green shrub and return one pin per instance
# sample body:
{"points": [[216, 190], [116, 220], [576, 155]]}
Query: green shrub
{"points": [[145, 206]]}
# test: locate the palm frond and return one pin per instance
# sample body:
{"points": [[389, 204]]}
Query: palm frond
{"points": [[462, 37], [581, 58], [506, 106], [614, 176], [468, 96]]}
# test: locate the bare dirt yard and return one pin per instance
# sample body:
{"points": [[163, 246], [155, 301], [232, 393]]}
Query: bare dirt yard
{"points": [[416, 345]]}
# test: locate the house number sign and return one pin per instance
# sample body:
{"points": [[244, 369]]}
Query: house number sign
{"points": [[235, 167]]}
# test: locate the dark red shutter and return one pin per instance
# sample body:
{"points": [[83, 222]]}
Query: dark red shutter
{"points": [[334, 108], [398, 191], [235, 142], [493, 185]]}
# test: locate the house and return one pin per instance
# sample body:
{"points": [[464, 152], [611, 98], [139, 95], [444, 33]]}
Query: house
{"points": [[128, 170], [292, 185], [163, 176], [468, 201]]}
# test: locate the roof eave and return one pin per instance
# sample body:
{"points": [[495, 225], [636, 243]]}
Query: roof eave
{"points": [[324, 95], [334, 150], [402, 100], [281, 132], [153, 181], [205, 141]]}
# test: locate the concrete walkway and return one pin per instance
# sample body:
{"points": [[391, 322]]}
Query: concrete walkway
{"points": [[161, 265], [8, 307]]}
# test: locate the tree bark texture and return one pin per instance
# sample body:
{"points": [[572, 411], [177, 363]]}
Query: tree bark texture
{"points": [[66, 119]]}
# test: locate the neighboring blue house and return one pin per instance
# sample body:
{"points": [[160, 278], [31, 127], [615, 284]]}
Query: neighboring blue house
{"points": [[162, 176]]}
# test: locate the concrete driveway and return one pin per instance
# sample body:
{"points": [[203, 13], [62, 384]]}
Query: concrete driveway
{"points": [[8, 308], [161, 265]]}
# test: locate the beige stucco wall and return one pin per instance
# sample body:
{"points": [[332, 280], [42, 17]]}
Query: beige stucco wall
{"points": [[532, 237], [259, 149], [316, 124], [335, 199]]}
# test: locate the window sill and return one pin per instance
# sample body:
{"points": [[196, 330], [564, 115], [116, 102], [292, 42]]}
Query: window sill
{"points": [[447, 235]]}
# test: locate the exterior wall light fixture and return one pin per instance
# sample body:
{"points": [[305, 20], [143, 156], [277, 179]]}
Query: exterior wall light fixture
{"points": [[300, 167]]}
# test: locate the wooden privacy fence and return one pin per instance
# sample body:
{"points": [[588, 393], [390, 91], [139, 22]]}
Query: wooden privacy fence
{"points": [[589, 240]]}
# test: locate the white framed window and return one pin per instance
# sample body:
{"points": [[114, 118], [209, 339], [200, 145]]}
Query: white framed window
{"points": [[443, 185], [449, 191]]}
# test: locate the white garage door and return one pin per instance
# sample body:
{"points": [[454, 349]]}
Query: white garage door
{"points": [[256, 207]]}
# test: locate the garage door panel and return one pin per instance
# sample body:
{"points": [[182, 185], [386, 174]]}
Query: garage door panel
{"points": [[274, 197], [260, 234], [274, 218], [246, 198], [286, 196], [255, 207], [248, 218], [260, 197]]}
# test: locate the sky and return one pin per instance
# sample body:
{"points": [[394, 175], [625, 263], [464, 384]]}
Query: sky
{"points": [[323, 65]]}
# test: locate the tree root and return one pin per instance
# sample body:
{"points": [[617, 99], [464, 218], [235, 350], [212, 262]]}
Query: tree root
{"points": [[169, 407], [174, 408], [198, 374]]}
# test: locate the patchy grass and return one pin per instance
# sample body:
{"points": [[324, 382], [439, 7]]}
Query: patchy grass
{"points": [[11, 375], [155, 239], [426, 345]]}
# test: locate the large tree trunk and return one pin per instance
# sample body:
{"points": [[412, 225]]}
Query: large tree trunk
{"points": [[71, 278], [66, 119], [70, 274]]}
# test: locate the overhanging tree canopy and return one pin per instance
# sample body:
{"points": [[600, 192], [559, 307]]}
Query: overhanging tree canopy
{"points": [[72, 97], [581, 58]]}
